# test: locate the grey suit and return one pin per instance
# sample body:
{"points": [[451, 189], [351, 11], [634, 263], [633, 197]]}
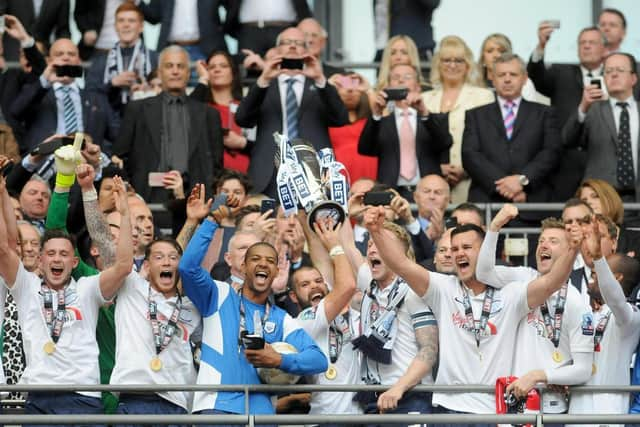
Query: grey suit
{"points": [[598, 134]]}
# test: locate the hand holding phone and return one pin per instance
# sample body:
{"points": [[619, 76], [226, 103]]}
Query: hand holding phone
{"points": [[266, 205], [378, 198], [253, 342], [396, 94], [292, 64]]}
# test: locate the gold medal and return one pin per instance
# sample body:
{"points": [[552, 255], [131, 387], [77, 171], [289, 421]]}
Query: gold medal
{"points": [[331, 372], [556, 356], [49, 348], [594, 369], [156, 364]]}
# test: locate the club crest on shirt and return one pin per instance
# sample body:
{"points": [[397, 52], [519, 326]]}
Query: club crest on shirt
{"points": [[587, 324], [308, 313], [269, 327]]}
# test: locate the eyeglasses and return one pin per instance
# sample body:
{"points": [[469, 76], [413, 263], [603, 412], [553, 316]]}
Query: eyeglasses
{"points": [[402, 77], [616, 70], [312, 35], [453, 61], [289, 42]]}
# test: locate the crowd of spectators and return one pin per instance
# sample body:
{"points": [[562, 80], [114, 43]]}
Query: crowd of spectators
{"points": [[118, 267]]}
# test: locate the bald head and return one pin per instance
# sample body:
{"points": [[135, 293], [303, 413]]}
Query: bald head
{"points": [[64, 52], [314, 35], [432, 192], [291, 43]]}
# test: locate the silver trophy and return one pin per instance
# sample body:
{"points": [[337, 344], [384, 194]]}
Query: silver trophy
{"points": [[316, 182]]}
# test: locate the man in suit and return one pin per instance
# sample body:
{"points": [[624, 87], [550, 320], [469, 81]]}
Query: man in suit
{"points": [[59, 104], [256, 24], [195, 25], [410, 141], [609, 129], [564, 83], [170, 132], [41, 18], [510, 147], [298, 103], [613, 25]]}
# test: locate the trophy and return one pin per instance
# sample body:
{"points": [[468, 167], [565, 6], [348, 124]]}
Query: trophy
{"points": [[314, 180]]}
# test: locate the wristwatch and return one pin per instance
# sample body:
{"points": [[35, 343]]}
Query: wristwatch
{"points": [[524, 181]]}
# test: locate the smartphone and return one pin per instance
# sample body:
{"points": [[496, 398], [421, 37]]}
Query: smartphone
{"points": [[49, 147], [69, 71], [553, 23], [348, 82], [451, 222], [292, 64], [156, 179], [596, 82], [267, 204], [253, 342], [378, 198], [221, 199], [396, 94]]}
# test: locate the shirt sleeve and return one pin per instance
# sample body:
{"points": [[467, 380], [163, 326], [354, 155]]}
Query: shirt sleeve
{"points": [[625, 316], [196, 281], [421, 314], [309, 359], [496, 275]]}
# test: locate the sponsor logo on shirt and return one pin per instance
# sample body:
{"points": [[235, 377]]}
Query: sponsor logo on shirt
{"points": [[587, 324]]}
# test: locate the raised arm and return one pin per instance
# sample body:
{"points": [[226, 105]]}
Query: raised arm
{"points": [[7, 210], [197, 210], [344, 286], [393, 254], [317, 251], [113, 277]]}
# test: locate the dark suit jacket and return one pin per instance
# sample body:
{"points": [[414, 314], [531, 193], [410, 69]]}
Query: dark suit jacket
{"points": [[53, 19], [210, 25], [36, 109], [599, 136], [318, 110], [380, 138], [413, 18], [533, 150], [139, 144], [232, 23], [89, 15]]}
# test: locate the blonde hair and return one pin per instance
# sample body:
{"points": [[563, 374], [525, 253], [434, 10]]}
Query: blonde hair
{"points": [[403, 236], [448, 44], [385, 62], [499, 39]]}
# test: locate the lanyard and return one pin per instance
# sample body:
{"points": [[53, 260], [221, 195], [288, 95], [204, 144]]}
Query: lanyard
{"points": [[376, 310], [602, 326], [339, 333], [553, 327], [257, 321], [54, 324], [477, 326], [161, 341]]}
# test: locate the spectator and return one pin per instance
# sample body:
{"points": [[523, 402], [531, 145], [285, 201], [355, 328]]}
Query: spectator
{"points": [[29, 246], [432, 196], [96, 20], [408, 143], [443, 260], [405, 17], [492, 47], [221, 87], [356, 211], [256, 25], [194, 24], [468, 213], [142, 223], [234, 362], [495, 129], [234, 257], [613, 25], [170, 132], [316, 38], [604, 200], [456, 90], [609, 129], [402, 50], [34, 202], [44, 19], [352, 89], [122, 70], [565, 84], [276, 102]]}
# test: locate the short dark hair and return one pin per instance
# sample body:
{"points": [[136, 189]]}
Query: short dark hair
{"points": [[630, 58], [172, 242], [228, 175], [292, 282], [57, 234], [615, 12], [630, 269], [467, 227], [469, 207], [574, 201], [244, 211], [603, 38], [269, 245]]}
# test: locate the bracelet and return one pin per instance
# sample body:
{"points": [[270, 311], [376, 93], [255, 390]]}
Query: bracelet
{"points": [[336, 250], [65, 180], [90, 196]]}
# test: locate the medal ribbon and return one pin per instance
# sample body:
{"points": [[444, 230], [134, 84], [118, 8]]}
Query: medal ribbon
{"points": [[53, 324], [162, 341], [477, 326], [243, 321], [553, 327], [602, 326], [339, 333]]}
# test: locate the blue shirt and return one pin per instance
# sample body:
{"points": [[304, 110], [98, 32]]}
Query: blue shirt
{"points": [[222, 361]]}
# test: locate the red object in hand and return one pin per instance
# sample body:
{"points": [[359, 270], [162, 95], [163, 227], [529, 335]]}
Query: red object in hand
{"points": [[532, 404]]}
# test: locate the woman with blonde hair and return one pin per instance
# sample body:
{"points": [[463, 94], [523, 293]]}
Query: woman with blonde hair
{"points": [[400, 49], [604, 200], [492, 47], [457, 89]]}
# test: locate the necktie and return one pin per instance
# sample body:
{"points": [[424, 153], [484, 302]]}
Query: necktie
{"points": [[407, 148], [292, 110], [70, 120], [509, 118], [624, 170]]}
